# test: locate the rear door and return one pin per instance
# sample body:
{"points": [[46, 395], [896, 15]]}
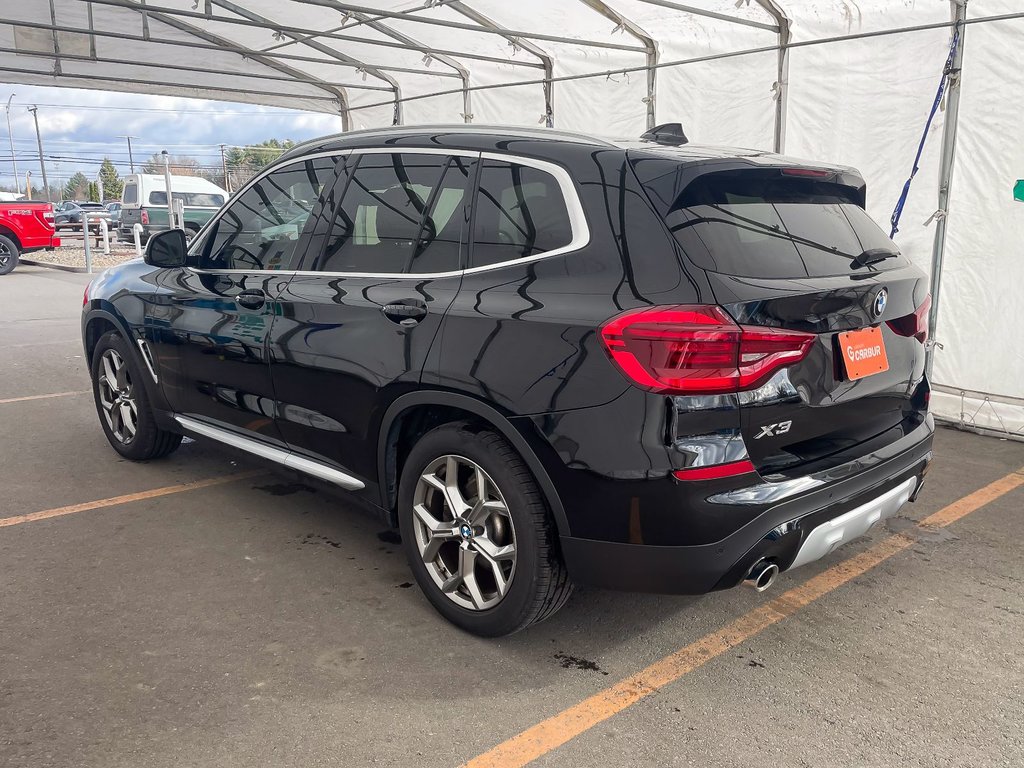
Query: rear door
{"points": [[793, 248], [356, 324]]}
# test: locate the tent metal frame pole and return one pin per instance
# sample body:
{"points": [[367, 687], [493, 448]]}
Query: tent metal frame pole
{"points": [[332, 4], [713, 15], [947, 163], [546, 60], [339, 94], [783, 25], [327, 50], [650, 49], [183, 68], [283, 56], [728, 55], [138, 81], [384, 29]]}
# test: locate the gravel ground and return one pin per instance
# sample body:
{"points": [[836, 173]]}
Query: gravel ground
{"points": [[74, 255]]}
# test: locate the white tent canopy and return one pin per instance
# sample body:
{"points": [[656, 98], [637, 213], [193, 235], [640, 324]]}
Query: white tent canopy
{"points": [[828, 79]]}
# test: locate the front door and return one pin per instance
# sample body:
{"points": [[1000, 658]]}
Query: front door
{"points": [[356, 325], [223, 306]]}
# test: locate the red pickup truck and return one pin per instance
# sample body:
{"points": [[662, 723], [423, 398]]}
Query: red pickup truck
{"points": [[25, 226]]}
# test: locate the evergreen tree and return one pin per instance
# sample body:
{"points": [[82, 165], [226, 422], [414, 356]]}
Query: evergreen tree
{"points": [[113, 185], [77, 187]]}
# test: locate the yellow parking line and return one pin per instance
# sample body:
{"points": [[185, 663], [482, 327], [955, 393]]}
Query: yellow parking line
{"points": [[550, 734], [126, 498], [43, 397]]}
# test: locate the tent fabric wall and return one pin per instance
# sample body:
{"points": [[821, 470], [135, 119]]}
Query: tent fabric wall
{"points": [[860, 102]]}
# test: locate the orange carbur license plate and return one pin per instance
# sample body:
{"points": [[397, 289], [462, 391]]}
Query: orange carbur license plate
{"points": [[863, 352]]}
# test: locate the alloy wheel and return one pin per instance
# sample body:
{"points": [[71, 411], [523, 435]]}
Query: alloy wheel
{"points": [[5, 255], [464, 532], [117, 397]]}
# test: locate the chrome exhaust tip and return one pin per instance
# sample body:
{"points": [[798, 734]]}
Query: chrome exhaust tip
{"points": [[762, 575]]}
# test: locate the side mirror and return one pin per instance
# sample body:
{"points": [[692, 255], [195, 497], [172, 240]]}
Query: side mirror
{"points": [[166, 249]]}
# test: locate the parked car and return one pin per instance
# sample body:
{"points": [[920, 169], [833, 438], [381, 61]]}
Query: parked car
{"points": [[69, 214], [144, 201], [25, 226], [114, 209], [546, 358]]}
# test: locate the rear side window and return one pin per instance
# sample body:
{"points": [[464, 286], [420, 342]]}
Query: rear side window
{"points": [[401, 213], [762, 223], [131, 194], [260, 230], [520, 212], [190, 199]]}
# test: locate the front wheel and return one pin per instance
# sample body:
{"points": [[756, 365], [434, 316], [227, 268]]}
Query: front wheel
{"points": [[8, 255], [123, 404], [477, 533]]}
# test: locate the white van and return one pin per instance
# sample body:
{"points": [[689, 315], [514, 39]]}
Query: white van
{"points": [[144, 201]]}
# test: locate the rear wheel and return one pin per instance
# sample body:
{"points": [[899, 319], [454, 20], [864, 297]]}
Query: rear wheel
{"points": [[123, 404], [8, 255], [477, 534]]}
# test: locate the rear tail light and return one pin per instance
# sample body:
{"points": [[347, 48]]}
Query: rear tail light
{"points": [[144, 216], [915, 324], [691, 350], [85, 296]]}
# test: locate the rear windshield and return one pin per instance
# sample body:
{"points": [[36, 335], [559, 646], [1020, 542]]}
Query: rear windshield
{"points": [[190, 199], [762, 223]]}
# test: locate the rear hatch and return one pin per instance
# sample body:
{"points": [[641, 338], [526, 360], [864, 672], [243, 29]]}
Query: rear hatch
{"points": [[791, 247]]}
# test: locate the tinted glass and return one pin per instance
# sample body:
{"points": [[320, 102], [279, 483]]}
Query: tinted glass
{"points": [[520, 212], [766, 224], [400, 213], [131, 193], [191, 199], [261, 229]]}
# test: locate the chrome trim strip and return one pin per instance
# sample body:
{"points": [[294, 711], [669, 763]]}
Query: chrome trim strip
{"points": [[147, 358], [577, 217], [278, 455]]}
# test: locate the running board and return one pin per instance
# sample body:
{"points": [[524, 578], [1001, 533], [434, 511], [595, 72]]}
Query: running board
{"points": [[279, 455]]}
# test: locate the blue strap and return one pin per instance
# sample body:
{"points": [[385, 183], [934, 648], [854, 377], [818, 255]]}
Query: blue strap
{"points": [[946, 71]]}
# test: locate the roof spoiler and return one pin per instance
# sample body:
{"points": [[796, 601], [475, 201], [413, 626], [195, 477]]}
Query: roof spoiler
{"points": [[666, 133]]}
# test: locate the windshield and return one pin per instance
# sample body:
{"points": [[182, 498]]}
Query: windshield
{"points": [[762, 223]]}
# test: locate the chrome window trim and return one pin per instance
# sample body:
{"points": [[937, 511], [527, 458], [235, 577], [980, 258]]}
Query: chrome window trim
{"points": [[282, 456], [577, 217]]}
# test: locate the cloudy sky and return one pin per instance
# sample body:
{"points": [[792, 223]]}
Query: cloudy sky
{"points": [[80, 127]]}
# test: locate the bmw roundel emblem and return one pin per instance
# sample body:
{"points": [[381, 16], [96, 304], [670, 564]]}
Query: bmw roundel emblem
{"points": [[881, 299], [466, 531]]}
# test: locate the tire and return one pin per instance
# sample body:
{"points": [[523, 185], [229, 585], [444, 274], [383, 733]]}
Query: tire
{"points": [[9, 255], [133, 433], [513, 529]]}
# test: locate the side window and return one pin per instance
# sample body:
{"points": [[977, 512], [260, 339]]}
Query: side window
{"points": [[520, 212], [131, 194], [261, 229], [400, 213]]}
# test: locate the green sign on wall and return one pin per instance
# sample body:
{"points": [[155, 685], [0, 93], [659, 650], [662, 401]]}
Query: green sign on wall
{"points": [[1018, 191]]}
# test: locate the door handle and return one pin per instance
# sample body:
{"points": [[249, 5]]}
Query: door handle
{"points": [[251, 299], [405, 311]]}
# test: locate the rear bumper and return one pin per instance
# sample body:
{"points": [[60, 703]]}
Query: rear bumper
{"points": [[801, 515]]}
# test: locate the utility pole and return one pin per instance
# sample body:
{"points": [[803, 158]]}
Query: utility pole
{"points": [[131, 160], [167, 181], [39, 139], [10, 135], [224, 167]]}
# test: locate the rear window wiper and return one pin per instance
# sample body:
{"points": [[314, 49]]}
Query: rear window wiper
{"points": [[872, 256]]}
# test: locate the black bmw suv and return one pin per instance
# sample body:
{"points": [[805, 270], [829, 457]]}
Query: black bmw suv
{"points": [[547, 358]]}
